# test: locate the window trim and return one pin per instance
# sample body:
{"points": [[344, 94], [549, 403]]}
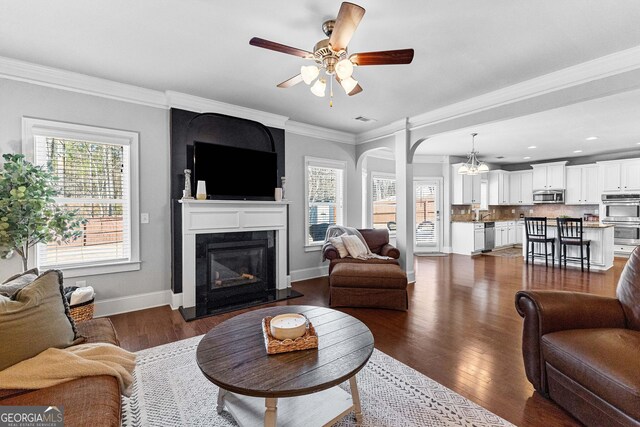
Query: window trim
{"points": [[323, 163], [63, 130], [383, 175]]}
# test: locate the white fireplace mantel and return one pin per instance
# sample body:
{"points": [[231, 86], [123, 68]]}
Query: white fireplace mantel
{"points": [[228, 216]]}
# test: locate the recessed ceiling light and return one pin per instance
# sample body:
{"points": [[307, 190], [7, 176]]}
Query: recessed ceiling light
{"points": [[577, 151], [527, 157], [531, 147], [638, 143], [592, 138]]}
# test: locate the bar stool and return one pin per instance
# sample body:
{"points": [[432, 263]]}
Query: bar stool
{"points": [[536, 228], [570, 233]]}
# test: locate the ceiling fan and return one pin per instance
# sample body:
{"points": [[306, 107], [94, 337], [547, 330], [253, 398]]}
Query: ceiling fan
{"points": [[331, 55]]}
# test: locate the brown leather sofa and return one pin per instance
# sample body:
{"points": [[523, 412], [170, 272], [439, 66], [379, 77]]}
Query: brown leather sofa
{"points": [[378, 242], [89, 401], [583, 351]]}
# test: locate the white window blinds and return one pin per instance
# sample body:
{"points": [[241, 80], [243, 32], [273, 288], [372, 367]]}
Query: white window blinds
{"points": [[93, 179], [384, 202], [324, 199]]}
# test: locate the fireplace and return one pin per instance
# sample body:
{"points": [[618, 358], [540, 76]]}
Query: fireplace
{"points": [[234, 268], [238, 264], [234, 255]]}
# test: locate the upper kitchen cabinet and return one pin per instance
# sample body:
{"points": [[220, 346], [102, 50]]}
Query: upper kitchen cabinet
{"points": [[619, 175], [521, 188], [549, 176], [582, 185], [466, 188], [499, 182]]}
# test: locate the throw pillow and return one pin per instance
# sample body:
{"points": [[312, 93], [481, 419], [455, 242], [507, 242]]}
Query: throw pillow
{"points": [[337, 243], [18, 281], [355, 246], [34, 319]]}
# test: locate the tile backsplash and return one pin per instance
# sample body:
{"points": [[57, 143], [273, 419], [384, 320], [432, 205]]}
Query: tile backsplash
{"points": [[498, 213]]}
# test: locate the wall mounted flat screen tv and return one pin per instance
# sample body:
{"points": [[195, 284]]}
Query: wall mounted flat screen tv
{"points": [[234, 173]]}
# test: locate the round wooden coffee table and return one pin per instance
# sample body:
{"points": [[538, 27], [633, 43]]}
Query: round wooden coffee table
{"points": [[300, 387]]}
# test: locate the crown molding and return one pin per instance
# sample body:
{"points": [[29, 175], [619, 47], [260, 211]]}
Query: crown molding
{"points": [[14, 69], [381, 132], [425, 158], [201, 105], [599, 68], [320, 132]]}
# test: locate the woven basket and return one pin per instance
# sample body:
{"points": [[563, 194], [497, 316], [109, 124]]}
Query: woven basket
{"points": [[82, 312]]}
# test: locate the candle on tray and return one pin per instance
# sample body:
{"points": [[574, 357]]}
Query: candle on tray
{"points": [[288, 326]]}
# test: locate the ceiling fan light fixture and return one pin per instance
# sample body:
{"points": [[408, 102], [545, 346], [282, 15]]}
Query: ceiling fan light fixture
{"points": [[344, 69], [309, 73], [348, 84], [319, 88]]}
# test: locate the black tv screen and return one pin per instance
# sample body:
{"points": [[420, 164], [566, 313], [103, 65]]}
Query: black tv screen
{"points": [[233, 173]]}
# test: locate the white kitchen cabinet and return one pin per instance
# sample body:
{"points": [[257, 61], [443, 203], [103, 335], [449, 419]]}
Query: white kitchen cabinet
{"points": [[499, 183], [619, 175], [521, 188], [511, 233], [582, 185], [466, 188], [526, 188], [502, 234], [478, 237], [519, 232], [549, 176]]}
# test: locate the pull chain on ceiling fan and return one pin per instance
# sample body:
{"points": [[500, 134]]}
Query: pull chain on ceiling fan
{"points": [[331, 55]]}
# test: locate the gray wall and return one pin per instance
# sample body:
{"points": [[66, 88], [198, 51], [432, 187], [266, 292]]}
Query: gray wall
{"points": [[296, 148], [19, 99]]}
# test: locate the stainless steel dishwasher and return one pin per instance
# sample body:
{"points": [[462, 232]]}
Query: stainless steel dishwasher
{"points": [[489, 236]]}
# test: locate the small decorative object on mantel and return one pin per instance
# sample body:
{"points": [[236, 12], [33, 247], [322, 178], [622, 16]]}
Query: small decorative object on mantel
{"points": [[273, 345], [201, 190], [278, 195], [186, 193]]}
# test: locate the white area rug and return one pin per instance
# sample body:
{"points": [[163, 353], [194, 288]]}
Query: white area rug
{"points": [[170, 390]]}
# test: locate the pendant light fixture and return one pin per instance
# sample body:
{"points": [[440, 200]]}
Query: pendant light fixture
{"points": [[473, 165]]}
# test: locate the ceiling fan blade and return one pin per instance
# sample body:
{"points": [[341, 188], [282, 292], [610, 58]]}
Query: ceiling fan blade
{"points": [[266, 44], [347, 21], [385, 57], [291, 82]]}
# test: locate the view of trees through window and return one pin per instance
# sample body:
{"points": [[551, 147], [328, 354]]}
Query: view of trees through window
{"points": [[324, 200], [91, 180]]}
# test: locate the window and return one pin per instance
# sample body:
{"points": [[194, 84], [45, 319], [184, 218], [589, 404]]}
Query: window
{"points": [[383, 199], [325, 184], [97, 176]]}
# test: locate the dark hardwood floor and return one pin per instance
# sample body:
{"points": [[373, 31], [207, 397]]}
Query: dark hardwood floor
{"points": [[461, 329]]}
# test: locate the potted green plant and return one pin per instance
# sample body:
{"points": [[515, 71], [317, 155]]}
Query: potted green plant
{"points": [[28, 212]]}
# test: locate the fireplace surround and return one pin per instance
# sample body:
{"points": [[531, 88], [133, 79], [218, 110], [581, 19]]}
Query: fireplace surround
{"points": [[234, 255]]}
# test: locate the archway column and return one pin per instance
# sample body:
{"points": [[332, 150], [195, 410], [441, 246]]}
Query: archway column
{"points": [[404, 200]]}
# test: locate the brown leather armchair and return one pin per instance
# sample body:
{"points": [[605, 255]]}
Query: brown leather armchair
{"points": [[583, 351], [378, 242]]}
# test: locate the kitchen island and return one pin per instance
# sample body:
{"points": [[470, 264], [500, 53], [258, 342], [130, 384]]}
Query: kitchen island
{"points": [[601, 236]]}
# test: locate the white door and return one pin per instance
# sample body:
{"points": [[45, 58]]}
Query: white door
{"points": [[573, 194], [514, 188], [610, 177], [526, 188], [555, 177], [590, 191], [427, 214], [540, 178], [631, 176]]}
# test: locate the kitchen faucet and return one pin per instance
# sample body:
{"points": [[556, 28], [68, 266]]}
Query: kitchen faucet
{"points": [[485, 216]]}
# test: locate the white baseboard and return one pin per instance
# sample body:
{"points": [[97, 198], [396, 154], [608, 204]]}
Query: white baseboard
{"points": [[111, 306], [309, 273]]}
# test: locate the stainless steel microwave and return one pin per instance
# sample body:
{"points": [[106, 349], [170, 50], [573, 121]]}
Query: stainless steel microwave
{"points": [[548, 196]]}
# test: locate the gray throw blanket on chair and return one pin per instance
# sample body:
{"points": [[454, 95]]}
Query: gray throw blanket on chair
{"points": [[339, 230]]}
